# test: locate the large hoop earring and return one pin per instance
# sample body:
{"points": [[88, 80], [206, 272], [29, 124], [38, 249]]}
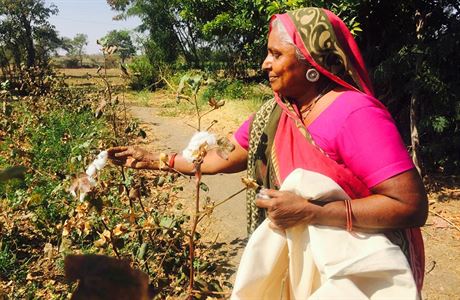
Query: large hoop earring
{"points": [[312, 75]]}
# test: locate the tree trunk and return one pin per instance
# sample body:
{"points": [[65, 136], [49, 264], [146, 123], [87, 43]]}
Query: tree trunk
{"points": [[415, 101], [29, 41], [414, 135]]}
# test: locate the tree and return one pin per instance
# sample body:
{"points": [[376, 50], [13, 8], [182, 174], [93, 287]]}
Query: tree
{"points": [[23, 25], [121, 39], [75, 46]]}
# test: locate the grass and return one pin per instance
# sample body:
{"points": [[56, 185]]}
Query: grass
{"points": [[89, 77]]}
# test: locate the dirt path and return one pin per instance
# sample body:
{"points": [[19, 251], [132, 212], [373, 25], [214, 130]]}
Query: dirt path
{"points": [[227, 223]]}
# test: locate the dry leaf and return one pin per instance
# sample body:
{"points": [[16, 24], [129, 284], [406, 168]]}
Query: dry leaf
{"points": [[81, 185], [216, 104], [164, 160], [134, 193], [131, 217], [100, 108], [225, 147], [119, 229]]}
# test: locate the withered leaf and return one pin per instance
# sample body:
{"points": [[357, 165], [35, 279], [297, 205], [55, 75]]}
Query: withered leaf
{"points": [[225, 147], [216, 104], [102, 277], [82, 184], [134, 193], [100, 108]]}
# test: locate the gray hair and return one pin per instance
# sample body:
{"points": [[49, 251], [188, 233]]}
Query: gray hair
{"points": [[285, 38]]}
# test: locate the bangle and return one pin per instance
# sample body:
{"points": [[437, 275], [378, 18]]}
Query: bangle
{"points": [[172, 159], [349, 214]]}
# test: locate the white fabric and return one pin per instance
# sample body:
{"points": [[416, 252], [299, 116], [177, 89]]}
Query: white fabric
{"points": [[320, 262]]}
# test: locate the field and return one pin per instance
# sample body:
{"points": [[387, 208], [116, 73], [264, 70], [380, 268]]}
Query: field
{"points": [[145, 217]]}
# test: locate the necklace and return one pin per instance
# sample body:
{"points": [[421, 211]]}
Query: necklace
{"points": [[306, 110]]}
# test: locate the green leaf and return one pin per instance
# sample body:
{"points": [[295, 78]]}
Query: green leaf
{"points": [[182, 82], [142, 133], [204, 187], [16, 172]]}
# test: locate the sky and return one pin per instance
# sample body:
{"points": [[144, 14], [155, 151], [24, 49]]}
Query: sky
{"points": [[91, 17]]}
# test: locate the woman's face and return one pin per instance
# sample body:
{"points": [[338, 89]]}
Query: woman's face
{"points": [[285, 72]]}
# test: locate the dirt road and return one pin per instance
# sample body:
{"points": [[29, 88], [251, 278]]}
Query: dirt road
{"points": [[229, 219]]}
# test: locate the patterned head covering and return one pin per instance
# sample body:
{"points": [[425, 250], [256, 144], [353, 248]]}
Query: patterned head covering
{"points": [[328, 45]]}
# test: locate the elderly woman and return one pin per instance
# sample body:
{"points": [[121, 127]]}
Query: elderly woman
{"points": [[323, 118]]}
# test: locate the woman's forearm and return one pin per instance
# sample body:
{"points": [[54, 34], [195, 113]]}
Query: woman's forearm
{"points": [[399, 202]]}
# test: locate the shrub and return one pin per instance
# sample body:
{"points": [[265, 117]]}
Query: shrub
{"points": [[144, 75]]}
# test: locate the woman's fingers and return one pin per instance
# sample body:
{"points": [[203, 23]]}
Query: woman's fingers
{"points": [[113, 150]]}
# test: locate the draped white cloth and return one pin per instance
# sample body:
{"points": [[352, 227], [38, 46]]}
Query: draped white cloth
{"points": [[321, 262]]}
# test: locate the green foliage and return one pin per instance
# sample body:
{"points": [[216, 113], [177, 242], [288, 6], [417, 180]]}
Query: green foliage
{"points": [[144, 75], [26, 36], [75, 47], [7, 260], [121, 39]]}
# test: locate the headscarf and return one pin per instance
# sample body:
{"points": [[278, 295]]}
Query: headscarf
{"points": [[328, 45]]}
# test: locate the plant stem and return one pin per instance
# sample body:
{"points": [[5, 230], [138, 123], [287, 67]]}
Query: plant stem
{"points": [[194, 225], [111, 239]]}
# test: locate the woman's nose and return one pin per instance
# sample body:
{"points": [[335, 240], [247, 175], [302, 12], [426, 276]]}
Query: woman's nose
{"points": [[267, 64]]}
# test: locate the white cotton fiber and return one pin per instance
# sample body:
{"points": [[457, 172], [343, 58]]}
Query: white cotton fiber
{"points": [[91, 170], [196, 141]]}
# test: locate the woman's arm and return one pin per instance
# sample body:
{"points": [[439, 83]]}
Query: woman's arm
{"points": [[398, 202], [138, 158]]}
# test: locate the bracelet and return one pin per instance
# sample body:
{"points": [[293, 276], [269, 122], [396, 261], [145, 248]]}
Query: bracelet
{"points": [[349, 214], [172, 158]]}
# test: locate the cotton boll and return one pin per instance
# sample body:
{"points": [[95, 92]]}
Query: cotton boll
{"points": [[103, 155], [82, 197], [92, 181], [99, 163], [91, 170], [196, 141], [187, 155]]}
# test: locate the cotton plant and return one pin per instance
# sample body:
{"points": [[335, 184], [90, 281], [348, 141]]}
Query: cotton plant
{"points": [[200, 142], [86, 181]]}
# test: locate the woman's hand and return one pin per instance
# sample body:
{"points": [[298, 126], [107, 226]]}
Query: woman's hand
{"points": [[286, 209], [133, 157]]}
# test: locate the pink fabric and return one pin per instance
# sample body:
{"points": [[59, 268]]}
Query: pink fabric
{"points": [[354, 131], [242, 134], [289, 137]]}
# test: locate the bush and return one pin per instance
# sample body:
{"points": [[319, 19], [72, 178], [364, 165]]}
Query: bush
{"points": [[144, 74]]}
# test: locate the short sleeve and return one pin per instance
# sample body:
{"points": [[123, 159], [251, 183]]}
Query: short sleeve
{"points": [[370, 145], [242, 133]]}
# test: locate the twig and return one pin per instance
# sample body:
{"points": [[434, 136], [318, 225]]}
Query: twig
{"points": [[445, 219], [205, 212], [111, 239]]}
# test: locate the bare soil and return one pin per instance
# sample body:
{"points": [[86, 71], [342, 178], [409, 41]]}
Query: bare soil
{"points": [[227, 225]]}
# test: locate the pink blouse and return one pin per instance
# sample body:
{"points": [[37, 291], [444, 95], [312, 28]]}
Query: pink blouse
{"points": [[356, 132]]}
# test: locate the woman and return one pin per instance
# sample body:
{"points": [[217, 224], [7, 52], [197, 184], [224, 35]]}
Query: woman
{"points": [[323, 118]]}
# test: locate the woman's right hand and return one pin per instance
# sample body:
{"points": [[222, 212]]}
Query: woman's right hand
{"points": [[133, 157]]}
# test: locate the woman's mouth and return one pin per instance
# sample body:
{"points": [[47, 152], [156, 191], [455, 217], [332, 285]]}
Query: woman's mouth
{"points": [[272, 78]]}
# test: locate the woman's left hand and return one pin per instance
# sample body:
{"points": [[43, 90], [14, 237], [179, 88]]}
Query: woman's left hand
{"points": [[286, 209]]}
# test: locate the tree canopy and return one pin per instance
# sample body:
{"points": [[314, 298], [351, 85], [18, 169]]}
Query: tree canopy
{"points": [[122, 39], [26, 36]]}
